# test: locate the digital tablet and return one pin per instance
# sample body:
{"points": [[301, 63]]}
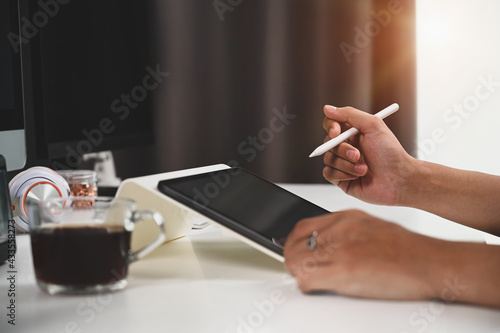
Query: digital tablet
{"points": [[260, 212]]}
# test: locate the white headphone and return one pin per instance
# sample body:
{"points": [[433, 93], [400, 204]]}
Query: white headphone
{"points": [[34, 184]]}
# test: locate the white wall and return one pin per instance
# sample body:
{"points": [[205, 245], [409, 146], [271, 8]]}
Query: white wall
{"points": [[458, 49]]}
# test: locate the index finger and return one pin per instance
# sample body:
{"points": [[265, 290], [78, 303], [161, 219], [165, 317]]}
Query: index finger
{"points": [[363, 121], [333, 127]]}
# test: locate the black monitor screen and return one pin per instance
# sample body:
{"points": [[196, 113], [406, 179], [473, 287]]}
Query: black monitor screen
{"points": [[11, 113], [93, 76]]}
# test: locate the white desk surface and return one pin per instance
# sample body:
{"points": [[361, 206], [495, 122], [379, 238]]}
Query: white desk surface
{"points": [[209, 282]]}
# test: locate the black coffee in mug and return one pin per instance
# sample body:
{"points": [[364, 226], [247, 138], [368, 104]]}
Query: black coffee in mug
{"points": [[81, 245], [80, 255]]}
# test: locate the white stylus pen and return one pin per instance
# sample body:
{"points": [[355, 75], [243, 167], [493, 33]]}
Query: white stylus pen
{"points": [[330, 144]]}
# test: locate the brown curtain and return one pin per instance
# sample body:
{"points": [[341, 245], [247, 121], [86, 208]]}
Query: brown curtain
{"points": [[248, 82]]}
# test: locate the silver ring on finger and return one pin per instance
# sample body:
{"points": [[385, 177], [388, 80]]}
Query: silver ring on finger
{"points": [[311, 241]]}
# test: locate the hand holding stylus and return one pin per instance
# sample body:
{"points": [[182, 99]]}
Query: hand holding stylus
{"points": [[372, 168], [350, 132]]}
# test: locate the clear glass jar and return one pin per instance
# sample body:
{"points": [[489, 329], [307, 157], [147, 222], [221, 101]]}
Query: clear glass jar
{"points": [[82, 183]]}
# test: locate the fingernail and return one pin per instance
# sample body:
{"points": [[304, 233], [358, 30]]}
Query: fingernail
{"points": [[360, 169], [351, 154], [330, 107]]}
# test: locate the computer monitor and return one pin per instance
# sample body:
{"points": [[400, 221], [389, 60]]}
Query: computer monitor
{"points": [[12, 136], [88, 73]]}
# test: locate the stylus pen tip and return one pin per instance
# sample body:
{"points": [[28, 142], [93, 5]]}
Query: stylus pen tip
{"points": [[314, 154]]}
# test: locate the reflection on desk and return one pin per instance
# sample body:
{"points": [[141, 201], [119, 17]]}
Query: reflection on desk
{"points": [[209, 282]]}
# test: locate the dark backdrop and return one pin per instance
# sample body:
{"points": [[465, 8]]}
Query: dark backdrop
{"points": [[236, 67]]}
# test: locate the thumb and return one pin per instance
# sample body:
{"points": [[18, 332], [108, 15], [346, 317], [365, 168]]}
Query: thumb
{"points": [[362, 121]]}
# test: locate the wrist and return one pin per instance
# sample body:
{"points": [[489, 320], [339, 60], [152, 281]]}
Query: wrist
{"points": [[458, 272], [414, 173], [445, 262]]}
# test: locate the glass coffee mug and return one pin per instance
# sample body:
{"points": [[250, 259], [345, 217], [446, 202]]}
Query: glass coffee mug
{"points": [[82, 244]]}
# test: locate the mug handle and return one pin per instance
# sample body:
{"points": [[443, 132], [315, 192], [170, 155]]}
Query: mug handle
{"points": [[141, 215]]}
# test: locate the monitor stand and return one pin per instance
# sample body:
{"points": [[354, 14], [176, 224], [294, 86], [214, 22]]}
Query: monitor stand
{"points": [[105, 168]]}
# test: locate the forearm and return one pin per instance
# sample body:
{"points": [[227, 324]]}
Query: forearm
{"points": [[467, 273], [466, 197]]}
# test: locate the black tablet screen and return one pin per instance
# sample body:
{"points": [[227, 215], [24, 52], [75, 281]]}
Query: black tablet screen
{"points": [[243, 202]]}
